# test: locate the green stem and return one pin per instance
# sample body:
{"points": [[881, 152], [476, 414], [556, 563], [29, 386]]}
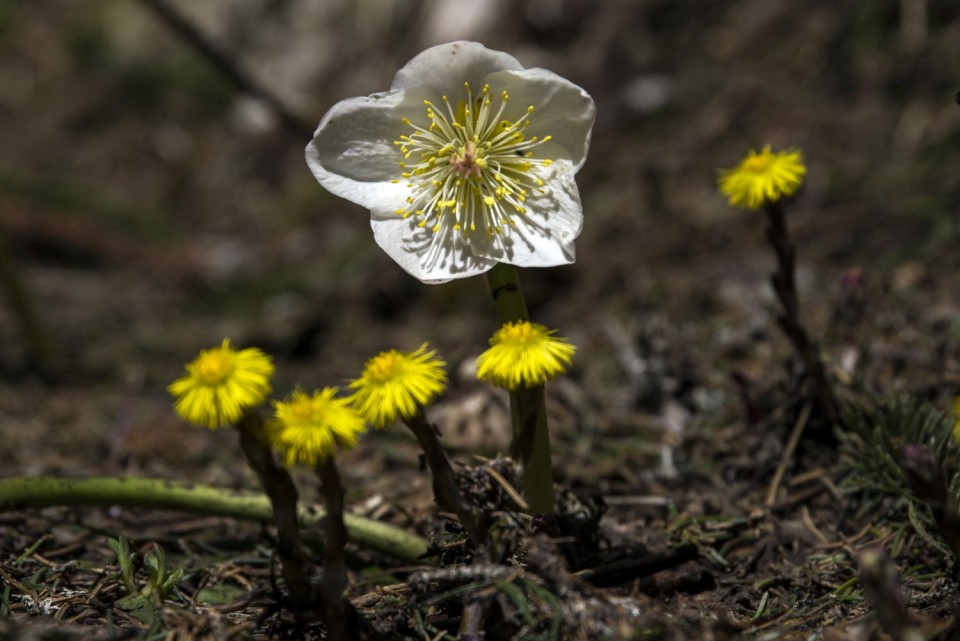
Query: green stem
{"points": [[531, 438], [160, 494], [507, 295], [531, 447]]}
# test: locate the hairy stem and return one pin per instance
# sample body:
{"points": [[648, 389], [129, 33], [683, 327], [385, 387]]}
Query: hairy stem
{"points": [[446, 492], [22, 493], [337, 613], [785, 286], [283, 496]]}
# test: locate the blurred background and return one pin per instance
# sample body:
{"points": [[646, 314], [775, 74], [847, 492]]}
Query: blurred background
{"points": [[154, 200]]}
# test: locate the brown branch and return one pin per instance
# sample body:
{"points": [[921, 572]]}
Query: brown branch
{"points": [[226, 66]]}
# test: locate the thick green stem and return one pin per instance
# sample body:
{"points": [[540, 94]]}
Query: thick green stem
{"points": [[531, 447], [160, 494], [283, 496], [337, 613], [531, 438], [506, 293], [446, 492]]}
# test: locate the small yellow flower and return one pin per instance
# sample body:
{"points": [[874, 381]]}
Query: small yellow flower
{"points": [[524, 355], [763, 178], [222, 383], [309, 428], [397, 384]]}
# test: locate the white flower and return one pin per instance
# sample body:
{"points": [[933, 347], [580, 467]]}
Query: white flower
{"points": [[467, 161]]}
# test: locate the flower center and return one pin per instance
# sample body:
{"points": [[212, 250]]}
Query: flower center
{"points": [[385, 367], [518, 334], [758, 163], [301, 409], [471, 167], [213, 367], [468, 161]]}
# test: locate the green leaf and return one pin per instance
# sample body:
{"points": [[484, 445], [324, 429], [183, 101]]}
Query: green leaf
{"points": [[220, 594]]}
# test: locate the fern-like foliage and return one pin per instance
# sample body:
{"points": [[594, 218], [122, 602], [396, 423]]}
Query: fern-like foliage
{"points": [[872, 441]]}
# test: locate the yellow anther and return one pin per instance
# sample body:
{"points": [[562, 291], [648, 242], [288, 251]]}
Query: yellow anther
{"points": [[489, 200], [547, 138], [530, 109], [407, 122], [505, 95]]}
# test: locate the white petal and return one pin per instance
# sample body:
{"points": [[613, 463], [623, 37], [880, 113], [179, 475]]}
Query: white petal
{"points": [[427, 256], [561, 110], [352, 152], [446, 67], [545, 235]]}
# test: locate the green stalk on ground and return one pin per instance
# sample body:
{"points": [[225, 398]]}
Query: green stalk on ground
{"points": [[159, 494]]}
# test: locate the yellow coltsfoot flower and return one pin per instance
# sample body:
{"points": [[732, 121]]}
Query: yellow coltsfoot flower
{"points": [[467, 161], [523, 355], [398, 384], [221, 384], [763, 178], [309, 428]]}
